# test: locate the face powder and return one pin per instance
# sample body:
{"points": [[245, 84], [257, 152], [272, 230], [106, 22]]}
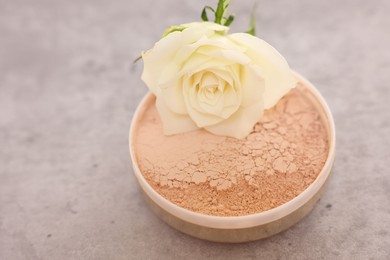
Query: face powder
{"points": [[223, 176]]}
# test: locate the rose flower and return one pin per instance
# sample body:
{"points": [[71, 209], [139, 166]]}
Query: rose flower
{"points": [[203, 77]]}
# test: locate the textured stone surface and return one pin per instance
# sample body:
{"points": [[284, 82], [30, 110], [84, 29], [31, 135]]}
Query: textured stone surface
{"points": [[68, 91]]}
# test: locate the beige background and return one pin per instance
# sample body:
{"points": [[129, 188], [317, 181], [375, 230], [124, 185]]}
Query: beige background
{"points": [[68, 92]]}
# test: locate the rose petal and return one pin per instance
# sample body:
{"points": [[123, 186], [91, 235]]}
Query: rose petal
{"points": [[174, 123], [164, 52], [231, 55], [231, 100], [252, 84], [240, 124], [193, 66], [275, 70], [160, 56], [208, 53], [225, 73], [205, 45], [195, 111], [172, 93]]}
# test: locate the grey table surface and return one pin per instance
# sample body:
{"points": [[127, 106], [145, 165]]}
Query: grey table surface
{"points": [[68, 91]]}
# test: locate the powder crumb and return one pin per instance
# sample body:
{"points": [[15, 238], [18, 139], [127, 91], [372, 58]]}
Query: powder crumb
{"points": [[292, 168], [270, 125], [224, 176], [213, 183], [199, 177], [280, 165], [282, 130]]}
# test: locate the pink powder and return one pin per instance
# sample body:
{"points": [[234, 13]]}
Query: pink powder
{"points": [[224, 176]]}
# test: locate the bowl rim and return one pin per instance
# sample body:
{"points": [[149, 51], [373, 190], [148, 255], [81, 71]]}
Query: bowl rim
{"points": [[245, 221]]}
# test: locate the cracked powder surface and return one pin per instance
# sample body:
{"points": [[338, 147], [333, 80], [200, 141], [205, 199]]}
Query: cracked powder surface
{"points": [[224, 176]]}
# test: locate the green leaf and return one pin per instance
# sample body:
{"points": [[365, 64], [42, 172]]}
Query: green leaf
{"points": [[137, 59], [204, 13], [220, 13], [229, 20], [252, 25], [173, 29]]}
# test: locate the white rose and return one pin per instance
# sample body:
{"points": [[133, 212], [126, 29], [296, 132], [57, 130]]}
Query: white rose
{"points": [[205, 78]]}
